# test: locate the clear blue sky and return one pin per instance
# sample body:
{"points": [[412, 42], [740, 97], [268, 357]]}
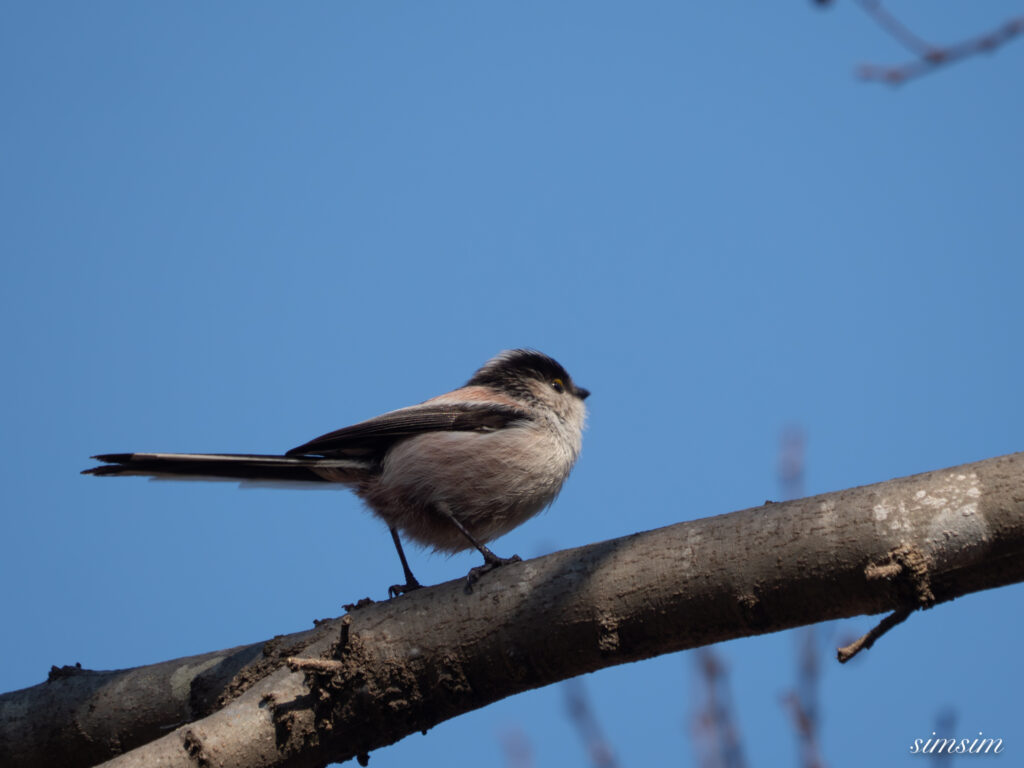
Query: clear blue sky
{"points": [[235, 226]]}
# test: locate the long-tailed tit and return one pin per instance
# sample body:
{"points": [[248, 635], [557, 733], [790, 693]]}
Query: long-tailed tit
{"points": [[451, 473]]}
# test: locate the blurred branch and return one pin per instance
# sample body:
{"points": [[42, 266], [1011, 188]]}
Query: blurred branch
{"points": [[803, 702], [896, 28], [582, 716], [387, 670], [929, 56], [945, 724], [516, 746], [810, 756], [715, 731], [792, 453]]}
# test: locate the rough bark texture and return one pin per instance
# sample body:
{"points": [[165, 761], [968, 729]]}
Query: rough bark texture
{"points": [[390, 669]]}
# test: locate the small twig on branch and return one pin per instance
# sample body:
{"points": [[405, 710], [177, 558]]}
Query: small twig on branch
{"points": [[906, 567], [930, 57], [862, 644]]}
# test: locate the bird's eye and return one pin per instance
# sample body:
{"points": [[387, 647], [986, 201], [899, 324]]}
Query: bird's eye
{"points": [[559, 385]]}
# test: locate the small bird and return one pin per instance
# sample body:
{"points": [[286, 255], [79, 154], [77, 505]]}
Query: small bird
{"points": [[451, 473]]}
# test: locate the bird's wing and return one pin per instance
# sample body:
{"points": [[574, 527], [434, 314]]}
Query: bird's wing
{"points": [[374, 436]]}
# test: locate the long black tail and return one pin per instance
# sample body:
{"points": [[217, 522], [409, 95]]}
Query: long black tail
{"points": [[229, 466]]}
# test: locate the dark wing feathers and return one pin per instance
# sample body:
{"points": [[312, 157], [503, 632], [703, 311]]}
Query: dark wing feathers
{"points": [[374, 436], [354, 450]]}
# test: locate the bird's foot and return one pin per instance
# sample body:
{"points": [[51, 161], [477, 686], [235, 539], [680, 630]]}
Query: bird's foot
{"points": [[491, 561], [400, 589]]}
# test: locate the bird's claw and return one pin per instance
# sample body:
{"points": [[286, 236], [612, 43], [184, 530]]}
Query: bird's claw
{"points": [[400, 589], [490, 563]]}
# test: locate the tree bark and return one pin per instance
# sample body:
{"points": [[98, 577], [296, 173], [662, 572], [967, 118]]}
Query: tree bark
{"points": [[384, 671]]}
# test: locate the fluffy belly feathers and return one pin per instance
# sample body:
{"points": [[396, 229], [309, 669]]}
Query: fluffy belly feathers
{"points": [[484, 472]]}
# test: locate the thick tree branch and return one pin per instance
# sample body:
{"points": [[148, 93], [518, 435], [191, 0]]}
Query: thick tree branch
{"points": [[408, 664]]}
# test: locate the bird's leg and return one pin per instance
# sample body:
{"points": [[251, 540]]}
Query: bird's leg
{"points": [[491, 560], [410, 581]]}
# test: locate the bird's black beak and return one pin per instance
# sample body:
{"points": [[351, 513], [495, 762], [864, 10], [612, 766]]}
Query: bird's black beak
{"points": [[582, 393]]}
